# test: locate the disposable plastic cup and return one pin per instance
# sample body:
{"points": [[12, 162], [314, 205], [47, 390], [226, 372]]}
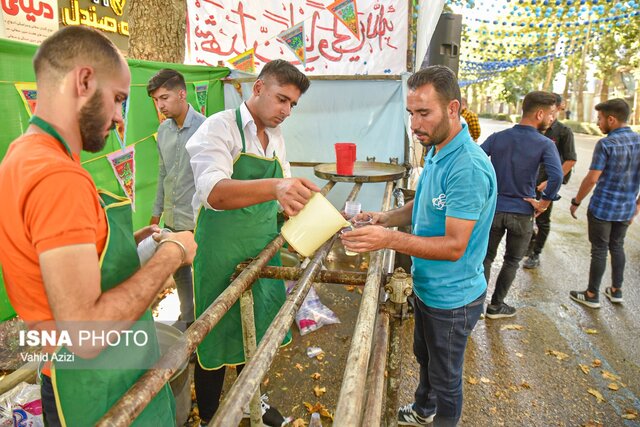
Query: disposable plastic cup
{"points": [[345, 157], [352, 208], [148, 246], [314, 225]]}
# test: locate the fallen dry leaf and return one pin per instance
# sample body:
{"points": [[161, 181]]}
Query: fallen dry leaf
{"points": [[265, 382], [320, 356], [596, 394], [525, 384], [512, 327], [319, 408], [298, 423], [630, 414], [608, 375], [485, 380], [614, 387], [299, 367], [472, 380], [591, 331], [558, 354], [596, 363], [592, 423], [584, 368], [319, 391], [520, 355], [350, 288], [315, 375], [359, 290]]}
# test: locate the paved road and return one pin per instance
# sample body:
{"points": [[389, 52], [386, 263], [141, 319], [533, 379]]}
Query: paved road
{"points": [[512, 377]]}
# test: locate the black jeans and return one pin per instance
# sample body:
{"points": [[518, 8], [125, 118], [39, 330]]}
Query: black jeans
{"points": [[208, 385], [606, 236], [519, 228], [543, 221], [48, 399], [439, 341]]}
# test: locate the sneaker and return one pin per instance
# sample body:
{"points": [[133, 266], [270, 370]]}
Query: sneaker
{"points": [[270, 415], [532, 262], [408, 417], [584, 299], [500, 311], [615, 297]]}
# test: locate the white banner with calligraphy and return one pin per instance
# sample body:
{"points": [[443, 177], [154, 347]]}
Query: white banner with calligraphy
{"points": [[218, 30], [29, 21]]}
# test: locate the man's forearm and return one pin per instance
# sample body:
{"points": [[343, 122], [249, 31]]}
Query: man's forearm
{"points": [[566, 166], [585, 188], [399, 217], [230, 194], [443, 248]]}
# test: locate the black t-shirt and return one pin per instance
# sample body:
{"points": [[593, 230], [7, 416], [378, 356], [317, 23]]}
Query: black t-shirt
{"points": [[562, 137]]}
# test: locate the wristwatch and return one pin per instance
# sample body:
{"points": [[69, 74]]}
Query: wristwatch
{"points": [[574, 202]]}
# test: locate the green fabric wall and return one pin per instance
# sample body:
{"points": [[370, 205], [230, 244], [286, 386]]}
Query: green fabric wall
{"points": [[142, 123]]}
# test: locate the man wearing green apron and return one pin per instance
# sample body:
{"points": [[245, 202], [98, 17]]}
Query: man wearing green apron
{"points": [[240, 171], [69, 251]]}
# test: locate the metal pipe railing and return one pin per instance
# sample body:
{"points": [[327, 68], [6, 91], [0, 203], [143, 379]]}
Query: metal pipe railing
{"points": [[351, 398], [230, 411], [133, 402]]}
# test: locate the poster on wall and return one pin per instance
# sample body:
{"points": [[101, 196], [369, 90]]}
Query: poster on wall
{"points": [[335, 40], [110, 17], [29, 21]]}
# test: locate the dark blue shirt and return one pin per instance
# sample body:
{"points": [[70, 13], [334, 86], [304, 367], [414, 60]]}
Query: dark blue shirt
{"points": [[618, 157], [516, 154]]}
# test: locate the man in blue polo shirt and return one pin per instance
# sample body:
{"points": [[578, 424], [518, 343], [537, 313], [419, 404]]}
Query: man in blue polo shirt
{"points": [[615, 172], [450, 218], [516, 154]]}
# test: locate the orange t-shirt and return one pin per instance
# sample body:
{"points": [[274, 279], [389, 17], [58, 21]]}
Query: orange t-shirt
{"points": [[48, 201]]}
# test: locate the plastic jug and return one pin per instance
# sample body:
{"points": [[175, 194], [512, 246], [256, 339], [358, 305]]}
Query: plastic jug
{"points": [[314, 225]]}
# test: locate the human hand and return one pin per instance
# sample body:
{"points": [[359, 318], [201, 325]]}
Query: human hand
{"points": [[294, 193], [365, 239], [539, 206], [154, 220], [188, 242], [145, 232], [573, 209], [542, 186], [376, 218]]}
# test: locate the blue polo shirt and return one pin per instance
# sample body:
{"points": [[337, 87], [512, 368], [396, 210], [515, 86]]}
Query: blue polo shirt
{"points": [[459, 182]]}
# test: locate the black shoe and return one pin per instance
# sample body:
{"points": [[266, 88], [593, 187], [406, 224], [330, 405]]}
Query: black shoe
{"points": [[500, 311], [270, 415], [532, 262], [585, 299], [615, 297], [408, 417]]}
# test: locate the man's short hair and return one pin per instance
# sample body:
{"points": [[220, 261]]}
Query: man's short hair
{"points": [[72, 46], [168, 79], [533, 101], [442, 79], [616, 107], [558, 99], [285, 74]]}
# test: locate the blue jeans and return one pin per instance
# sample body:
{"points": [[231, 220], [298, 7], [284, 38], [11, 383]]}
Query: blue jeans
{"points": [[606, 236], [439, 341]]}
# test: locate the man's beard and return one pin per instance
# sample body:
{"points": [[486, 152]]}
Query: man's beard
{"points": [[92, 124], [439, 134]]}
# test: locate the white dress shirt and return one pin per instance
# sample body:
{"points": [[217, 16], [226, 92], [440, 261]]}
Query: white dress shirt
{"points": [[216, 145]]}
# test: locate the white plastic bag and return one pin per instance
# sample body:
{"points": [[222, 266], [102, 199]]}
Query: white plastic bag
{"points": [[313, 314], [21, 406]]}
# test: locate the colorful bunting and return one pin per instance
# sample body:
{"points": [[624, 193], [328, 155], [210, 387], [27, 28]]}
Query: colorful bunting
{"points": [[123, 164], [121, 128], [201, 89], [347, 12], [294, 39], [29, 95], [244, 62]]}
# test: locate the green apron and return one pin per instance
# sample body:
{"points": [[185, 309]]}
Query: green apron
{"points": [[85, 389], [225, 239]]}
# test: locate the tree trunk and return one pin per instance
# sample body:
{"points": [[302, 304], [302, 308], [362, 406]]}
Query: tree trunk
{"points": [[604, 90], [157, 31], [547, 81], [565, 92]]}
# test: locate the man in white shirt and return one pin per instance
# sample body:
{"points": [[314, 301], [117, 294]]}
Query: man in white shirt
{"points": [[240, 171]]}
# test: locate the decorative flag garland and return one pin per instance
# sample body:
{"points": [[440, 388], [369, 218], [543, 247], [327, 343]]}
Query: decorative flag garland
{"points": [[294, 39], [123, 164], [29, 94], [202, 90], [347, 12], [245, 62]]}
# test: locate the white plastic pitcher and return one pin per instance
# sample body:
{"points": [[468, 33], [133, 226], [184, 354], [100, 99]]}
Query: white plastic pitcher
{"points": [[313, 225]]}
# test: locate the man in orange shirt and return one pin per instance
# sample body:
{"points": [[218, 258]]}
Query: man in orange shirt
{"points": [[68, 250]]}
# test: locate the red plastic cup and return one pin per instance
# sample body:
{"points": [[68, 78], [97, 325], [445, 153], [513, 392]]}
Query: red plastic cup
{"points": [[345, 157]]}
